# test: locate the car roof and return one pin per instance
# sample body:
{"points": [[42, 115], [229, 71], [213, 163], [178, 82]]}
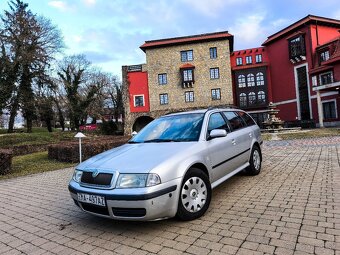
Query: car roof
{"points": [[204, 111]]}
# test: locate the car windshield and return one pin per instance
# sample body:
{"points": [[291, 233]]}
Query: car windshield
{"points": [[172, 128]]}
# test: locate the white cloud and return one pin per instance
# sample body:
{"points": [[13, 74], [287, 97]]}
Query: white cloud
{"points": [[60, 5], [90, 2], [211, 8], [336, 14], [249, 30]]}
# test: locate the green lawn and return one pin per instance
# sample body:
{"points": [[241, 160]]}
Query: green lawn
{"points": [[36, 138], [34, 163]]}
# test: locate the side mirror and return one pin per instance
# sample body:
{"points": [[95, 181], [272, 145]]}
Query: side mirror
{"points": [[215, 133], [134, 133]]}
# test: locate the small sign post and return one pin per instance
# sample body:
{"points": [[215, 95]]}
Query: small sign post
{"points": [[80, 136]]}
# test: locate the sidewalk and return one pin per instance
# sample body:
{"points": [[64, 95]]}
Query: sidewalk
{"points": [[292, 207]]}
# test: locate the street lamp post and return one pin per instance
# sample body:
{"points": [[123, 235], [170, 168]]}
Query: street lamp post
{"points": [[80, 135]]}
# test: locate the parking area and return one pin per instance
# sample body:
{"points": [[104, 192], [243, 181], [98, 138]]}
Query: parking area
{"points": [[292, 207]]}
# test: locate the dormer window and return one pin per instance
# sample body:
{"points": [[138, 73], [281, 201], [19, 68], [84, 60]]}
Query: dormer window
{"points": [[324, 56], [297, 47]]}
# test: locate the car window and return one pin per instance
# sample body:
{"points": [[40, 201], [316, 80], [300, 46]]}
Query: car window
{"points": [[247, 119], [177, 128], [235, 120], [216, 121]]}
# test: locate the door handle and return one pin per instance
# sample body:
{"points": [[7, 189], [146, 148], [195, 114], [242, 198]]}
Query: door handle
{"points": [[233, 142]]}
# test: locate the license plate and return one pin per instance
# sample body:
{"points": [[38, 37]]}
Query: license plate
{"points": [[91, 199]]}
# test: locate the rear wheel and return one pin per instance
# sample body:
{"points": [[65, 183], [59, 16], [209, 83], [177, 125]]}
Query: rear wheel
{"points": [[195, 195], [254, 167]]}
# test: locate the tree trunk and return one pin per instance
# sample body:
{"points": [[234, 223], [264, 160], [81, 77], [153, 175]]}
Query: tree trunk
{"points": [[49, 125], [13, 114]]}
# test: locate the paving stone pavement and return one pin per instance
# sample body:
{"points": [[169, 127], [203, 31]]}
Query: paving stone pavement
{"points": [[292, 207]]}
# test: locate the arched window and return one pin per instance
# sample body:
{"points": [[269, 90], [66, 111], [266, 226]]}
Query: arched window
{"points": [[243, 100], [252, 98], [261, 97], [259, 79], [251, 80], [241, 81]]}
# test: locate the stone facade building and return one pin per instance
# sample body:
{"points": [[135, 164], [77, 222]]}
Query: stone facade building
{"points": [[180, 74]]}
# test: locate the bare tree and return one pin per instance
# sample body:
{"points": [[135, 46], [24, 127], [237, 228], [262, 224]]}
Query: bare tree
{"points": [[28, 44]]}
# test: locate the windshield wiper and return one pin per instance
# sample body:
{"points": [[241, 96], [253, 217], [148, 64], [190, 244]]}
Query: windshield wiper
{"points": [[161, 141]]}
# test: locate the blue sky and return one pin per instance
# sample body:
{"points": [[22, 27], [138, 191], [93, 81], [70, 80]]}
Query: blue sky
{"points": [[109, 32]]}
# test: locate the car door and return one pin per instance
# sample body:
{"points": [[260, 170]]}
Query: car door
{"points": [[221, 149], [241, 139]]}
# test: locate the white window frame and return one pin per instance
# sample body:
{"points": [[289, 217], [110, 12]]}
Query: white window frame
{"points": [[249, 58], [336, 107], [214, 73], [239, 61], [165, 95], [134, 100], [188, 98], [331, 72], [163, 80], [258, 58]]}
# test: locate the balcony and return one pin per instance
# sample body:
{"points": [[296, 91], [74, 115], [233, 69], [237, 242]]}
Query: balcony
{"points": [[328, 86]]}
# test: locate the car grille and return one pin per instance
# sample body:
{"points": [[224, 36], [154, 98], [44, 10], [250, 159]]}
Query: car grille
{"points": [[103, 179], [95, 209], [129, 212]]}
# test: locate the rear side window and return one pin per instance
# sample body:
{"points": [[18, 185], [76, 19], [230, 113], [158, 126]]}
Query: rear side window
{"points": [[235, 120], [247, 119], [216, 121]]}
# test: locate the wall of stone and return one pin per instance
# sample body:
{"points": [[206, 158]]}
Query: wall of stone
{"points": [[168, 60]]}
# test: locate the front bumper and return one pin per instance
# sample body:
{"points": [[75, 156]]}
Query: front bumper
{"points": [[140, 204]]}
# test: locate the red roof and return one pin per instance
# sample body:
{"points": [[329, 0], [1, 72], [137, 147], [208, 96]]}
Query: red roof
{"points": [[300, 23], [188, 39], [186, 66]]}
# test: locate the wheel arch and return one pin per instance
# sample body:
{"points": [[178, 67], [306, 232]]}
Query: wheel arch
{"points": [[200, 166]]}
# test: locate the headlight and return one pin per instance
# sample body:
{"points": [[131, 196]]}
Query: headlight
{"points": [[137, 180], [77, 175]]}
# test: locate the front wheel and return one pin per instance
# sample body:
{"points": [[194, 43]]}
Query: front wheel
{"points": [[254, 167], [195, 195]]}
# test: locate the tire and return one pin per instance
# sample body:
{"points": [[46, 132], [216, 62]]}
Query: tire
{"points": [[255, 161], [195, 195]]}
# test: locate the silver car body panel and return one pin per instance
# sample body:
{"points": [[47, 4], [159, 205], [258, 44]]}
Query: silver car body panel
{"points": [[222, 157]]}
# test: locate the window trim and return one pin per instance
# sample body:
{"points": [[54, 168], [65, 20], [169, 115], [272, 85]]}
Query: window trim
{"points": [[185, 96], [239, 61], [249, 58], [162, 75], [336, 109], [213, 52], [219, 93], [134, 100], [186, 55], [258, 58], [325, 73], [213, 71], [167, 98]]}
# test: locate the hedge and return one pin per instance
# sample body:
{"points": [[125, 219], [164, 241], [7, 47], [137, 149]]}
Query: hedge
{"points": [[5, 161], [69, 151]]}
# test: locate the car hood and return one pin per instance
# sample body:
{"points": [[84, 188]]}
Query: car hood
{"points": [[135, 158]]}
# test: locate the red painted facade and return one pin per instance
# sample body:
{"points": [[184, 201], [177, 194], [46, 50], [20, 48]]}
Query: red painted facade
{"points": [[138, 85], [285, 79]]}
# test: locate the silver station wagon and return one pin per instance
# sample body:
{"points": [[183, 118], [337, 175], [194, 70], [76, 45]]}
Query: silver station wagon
{"points": [[170, 167]]}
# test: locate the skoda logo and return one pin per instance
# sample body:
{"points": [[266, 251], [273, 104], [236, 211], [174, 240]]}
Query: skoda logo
{"points": [[95, 173]]}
